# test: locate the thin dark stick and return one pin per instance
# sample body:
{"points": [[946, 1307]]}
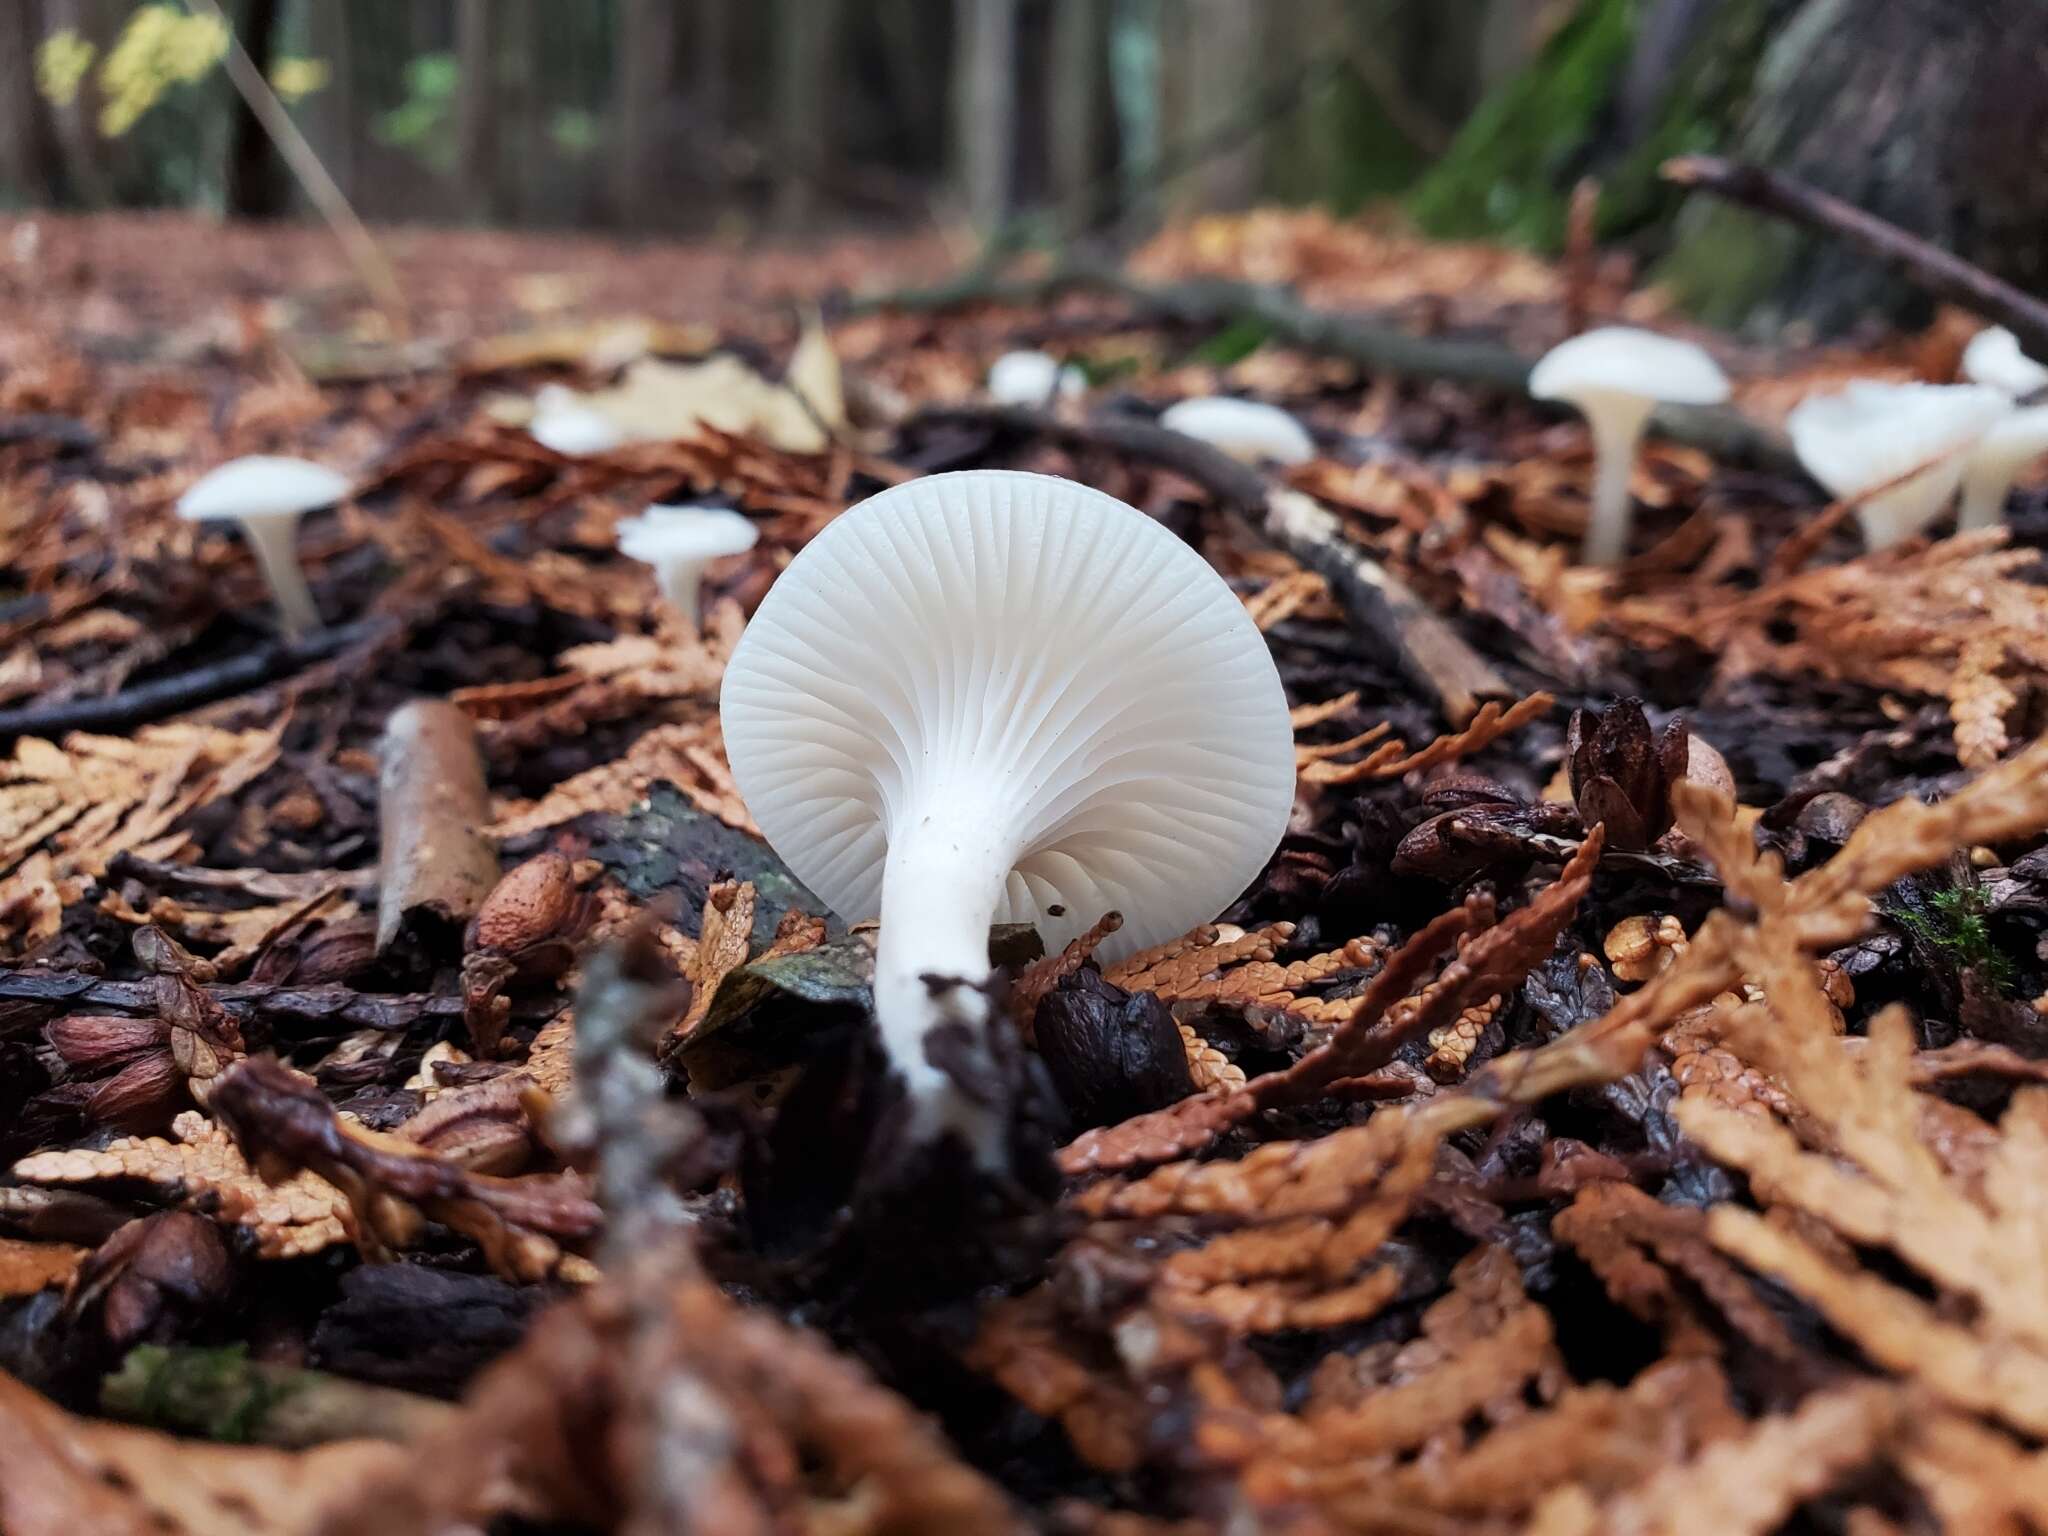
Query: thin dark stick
{"points": [[1375, 346], [1941, 273], [185, 690]]}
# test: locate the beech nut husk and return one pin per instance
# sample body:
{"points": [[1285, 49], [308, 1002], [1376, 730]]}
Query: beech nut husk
{"points": [[533, 902]]}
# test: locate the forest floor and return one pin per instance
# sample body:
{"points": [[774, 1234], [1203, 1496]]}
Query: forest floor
{"points": [[1617, 1106]]}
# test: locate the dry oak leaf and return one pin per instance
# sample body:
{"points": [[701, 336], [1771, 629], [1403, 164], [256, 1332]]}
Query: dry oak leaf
{"points": [[66, 1476], [204, 1171], [722, 941], [26, 1267]]}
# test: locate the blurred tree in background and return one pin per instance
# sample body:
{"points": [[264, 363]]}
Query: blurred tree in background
{"points": [[1072, 120]]}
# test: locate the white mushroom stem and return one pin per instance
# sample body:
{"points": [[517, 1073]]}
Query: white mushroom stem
{"points": [[1985, 483], [2011, 444], [941, 886], [1618, 422], [275, 540], [680, 582]]}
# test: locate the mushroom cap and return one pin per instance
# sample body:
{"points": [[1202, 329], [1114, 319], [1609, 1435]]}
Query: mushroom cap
{"points": [[1087, 671], [1871, 432], [1244, 429], [685, 533], [565, 423], [1994, 357], [1029, 378], [1622, 360], [262, 485]]}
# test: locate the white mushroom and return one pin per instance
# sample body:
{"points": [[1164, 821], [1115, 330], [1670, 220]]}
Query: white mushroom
{"points": [[2012, 443], [1003, 697], [1994, 357], [1249, 430], [566, 424], [1617, 376], [679, 542], [1032, 378], [1871, 433], [267, 496]]}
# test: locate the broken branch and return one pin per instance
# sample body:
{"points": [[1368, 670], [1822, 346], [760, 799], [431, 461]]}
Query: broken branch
{"points": [[1941, 273]]}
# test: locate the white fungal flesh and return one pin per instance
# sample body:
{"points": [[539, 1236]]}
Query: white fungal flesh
{"points": [[1249, 430], [2007, 448], [1871, 433], [1032, 378], [275, 541], [679, 542], [1000, 697], [564, 424], [1617, 376], [1994, 358]]}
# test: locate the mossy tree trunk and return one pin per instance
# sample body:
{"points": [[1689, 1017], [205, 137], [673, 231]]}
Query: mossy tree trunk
{"points": [[1932, 114]]}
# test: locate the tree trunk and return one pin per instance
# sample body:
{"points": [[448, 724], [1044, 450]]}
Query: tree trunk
{"points": [[803, 105], [334, 107], [476, 104], [711, 69], [1078, 41], [1137, 88], [256, 184], [27, 153], [1932, 114], [985, 107], [1225, 83], [645, 48], [80, 150]]}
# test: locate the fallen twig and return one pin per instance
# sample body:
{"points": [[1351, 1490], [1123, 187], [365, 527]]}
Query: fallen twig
{"points": [[1393, 620], [289, 1010], [432, 807], [225, 1394], [1942, 273], [152, 701], [1374, 346]]}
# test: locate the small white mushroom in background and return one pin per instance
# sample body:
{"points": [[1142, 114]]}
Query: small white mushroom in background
{"points": [[1617, 376], [2009, 446], [1993, 357], [268, 495], [563, 423], [1002, 697], [1032, 378], [1871, 433], [679, 542], [1249, 430]]}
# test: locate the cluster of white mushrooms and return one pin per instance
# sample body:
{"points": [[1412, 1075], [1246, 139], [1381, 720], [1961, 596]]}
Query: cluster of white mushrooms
{"points": [[923, 719], [1905, 449], [1900, 450]]}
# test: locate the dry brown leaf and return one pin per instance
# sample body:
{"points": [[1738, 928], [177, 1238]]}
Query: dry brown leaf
{"points": [[723, 939], [692, 757], [27, 1267], [67, 1476]]}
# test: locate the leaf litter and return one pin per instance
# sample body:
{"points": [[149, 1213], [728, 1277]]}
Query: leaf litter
{"points": [[1545, 1142]]}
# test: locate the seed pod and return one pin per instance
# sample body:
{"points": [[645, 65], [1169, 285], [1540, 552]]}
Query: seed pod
{"points": [[531, 903]]}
